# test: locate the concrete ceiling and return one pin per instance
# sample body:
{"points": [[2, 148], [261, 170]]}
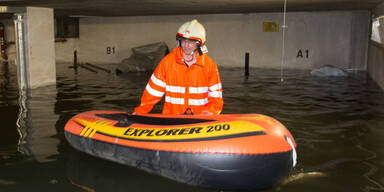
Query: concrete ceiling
{"points": [[173, 7]]}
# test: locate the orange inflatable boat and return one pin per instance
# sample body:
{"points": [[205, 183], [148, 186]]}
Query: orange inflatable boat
{"points": [[226, 152]]}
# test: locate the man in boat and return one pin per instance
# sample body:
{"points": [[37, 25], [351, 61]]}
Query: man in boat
{"points": [[187, 76]]}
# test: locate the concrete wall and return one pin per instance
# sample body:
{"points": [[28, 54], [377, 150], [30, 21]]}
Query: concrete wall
{"points": [[323, 38], [376, 54], [41, 48], [379, 10]]}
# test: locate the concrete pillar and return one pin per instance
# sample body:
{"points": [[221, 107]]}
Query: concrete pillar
{"points": [[35, 45], [40, 47]]}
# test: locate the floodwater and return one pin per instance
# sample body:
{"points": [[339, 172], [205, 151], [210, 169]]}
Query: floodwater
{"points": [[338, 124]]}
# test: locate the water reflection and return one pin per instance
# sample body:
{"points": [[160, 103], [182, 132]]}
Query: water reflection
{"points": [[93, 174], [22, 121], [36, 123]]}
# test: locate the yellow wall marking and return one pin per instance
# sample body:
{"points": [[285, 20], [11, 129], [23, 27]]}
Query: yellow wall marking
{"points": [[270, 27]]}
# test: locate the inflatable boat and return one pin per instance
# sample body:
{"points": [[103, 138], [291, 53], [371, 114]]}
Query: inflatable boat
{"points": [[225, 152]]}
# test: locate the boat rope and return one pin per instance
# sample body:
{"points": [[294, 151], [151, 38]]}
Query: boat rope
{"points": [[294, 153], [284, 26]]}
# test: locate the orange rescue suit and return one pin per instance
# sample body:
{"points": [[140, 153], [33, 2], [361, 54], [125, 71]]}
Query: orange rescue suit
{"points": [[197, 87]]}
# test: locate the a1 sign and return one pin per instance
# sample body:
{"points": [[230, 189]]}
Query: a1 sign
{"points": [[300, 54]]}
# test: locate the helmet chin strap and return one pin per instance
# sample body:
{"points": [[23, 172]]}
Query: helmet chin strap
{"points": [[190, 59], [199, 50]]}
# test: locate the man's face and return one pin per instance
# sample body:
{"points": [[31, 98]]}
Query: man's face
{"points": [[189, 46]]}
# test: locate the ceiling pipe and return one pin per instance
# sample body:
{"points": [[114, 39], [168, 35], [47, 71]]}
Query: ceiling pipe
{"points": [[18, 20]]}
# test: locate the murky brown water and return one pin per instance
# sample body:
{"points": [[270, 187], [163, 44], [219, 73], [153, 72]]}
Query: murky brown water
{"points": [[338, 124]]}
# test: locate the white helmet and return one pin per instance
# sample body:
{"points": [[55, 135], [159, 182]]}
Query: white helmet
{"points": [[192, 30]]}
